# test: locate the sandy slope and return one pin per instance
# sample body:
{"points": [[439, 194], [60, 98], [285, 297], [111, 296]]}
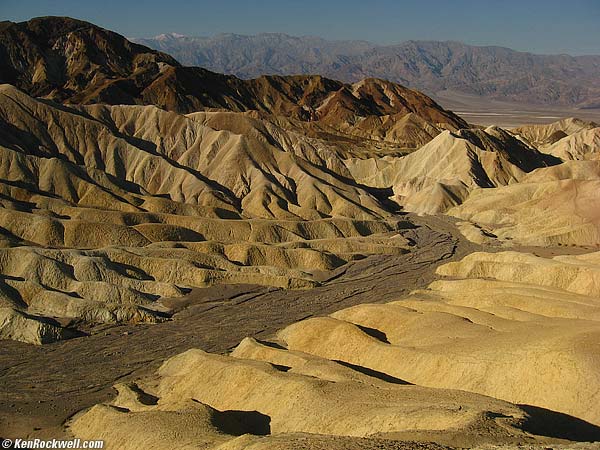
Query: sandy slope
{"points": [[548, 134], [582, 145], [108, 209], [105, 210], [441, 174], [119, 214], [405, 368], [558, 205]]}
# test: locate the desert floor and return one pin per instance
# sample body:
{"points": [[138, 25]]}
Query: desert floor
{"points": [[44, 385], [487, 112]]}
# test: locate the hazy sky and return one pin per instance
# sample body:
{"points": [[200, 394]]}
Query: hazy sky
{"points": [[550, 26]]}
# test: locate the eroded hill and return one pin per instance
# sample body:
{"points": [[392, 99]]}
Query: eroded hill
{"points": [[108, 208], [76, 62], [415, 368]]}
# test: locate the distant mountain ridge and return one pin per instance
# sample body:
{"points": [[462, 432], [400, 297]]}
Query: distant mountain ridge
{"points": [[76, 62], [431, 66]]}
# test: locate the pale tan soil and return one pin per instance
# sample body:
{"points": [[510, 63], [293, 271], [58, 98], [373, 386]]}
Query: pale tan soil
{"points": [[107, 209], [36, 401], [281, 210], [530, 338], [443, 172], [375, 329], [44, 385]]}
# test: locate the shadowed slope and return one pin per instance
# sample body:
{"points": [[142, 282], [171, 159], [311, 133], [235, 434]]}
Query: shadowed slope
{"points": [[441, 174], [107, 209], [58, 49], [508, 325], [554, 205]]}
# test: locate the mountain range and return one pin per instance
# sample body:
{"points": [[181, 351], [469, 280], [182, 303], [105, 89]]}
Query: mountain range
{"points": [[75, 62], [431, 66], [106, 143], [149, 209]]}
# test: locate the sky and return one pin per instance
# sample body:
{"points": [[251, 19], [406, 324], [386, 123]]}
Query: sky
{"points": [[539, 26]]}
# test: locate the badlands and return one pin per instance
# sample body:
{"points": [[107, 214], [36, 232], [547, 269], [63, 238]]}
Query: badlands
{"points": [[191, 260]]}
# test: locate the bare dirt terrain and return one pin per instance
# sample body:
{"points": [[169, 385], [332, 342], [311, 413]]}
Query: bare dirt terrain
{"points": [[235, 264], [484, 111], [45, 385]]}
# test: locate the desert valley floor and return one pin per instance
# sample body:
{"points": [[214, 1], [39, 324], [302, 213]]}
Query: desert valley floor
{"points": [[194, 260], [216, 319]]}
